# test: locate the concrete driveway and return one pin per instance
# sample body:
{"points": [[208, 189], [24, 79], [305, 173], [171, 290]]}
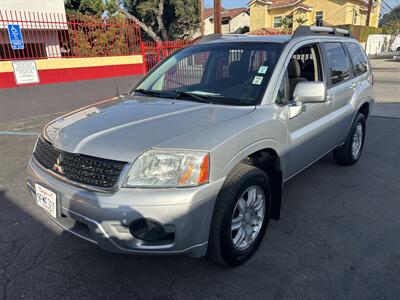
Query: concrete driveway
{"points": [[338, 236]]}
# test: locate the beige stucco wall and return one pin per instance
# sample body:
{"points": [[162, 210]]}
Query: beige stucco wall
{"points": [[238, 22], [257, 16], [209, 26]]}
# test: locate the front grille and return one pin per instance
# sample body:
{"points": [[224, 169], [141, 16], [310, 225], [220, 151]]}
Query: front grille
{"points": [[83, 169]]}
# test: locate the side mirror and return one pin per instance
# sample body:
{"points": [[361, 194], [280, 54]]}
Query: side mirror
{"points": [[306, 92], [310, 92]]}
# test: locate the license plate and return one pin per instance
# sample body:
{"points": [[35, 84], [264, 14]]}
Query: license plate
{"points": [[46, 199]]}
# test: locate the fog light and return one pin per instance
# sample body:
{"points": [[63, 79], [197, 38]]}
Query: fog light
{"points": [[147, 230]]}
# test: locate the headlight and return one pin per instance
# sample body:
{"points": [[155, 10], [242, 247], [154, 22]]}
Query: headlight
{"points": [[169, 168]]}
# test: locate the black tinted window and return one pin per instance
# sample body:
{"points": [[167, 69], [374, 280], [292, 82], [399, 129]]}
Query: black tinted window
{"points": [[358, 58], [338, 64]]}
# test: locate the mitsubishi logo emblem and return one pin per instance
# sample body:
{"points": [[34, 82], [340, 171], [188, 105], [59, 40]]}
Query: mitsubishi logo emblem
{"points": [[57, 167]]}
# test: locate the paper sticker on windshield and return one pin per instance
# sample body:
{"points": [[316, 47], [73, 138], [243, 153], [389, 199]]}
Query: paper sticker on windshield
{"points": [[258, 80], [263, 70]]}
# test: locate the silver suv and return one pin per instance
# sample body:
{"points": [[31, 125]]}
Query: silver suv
{"points": [[193, 160]]}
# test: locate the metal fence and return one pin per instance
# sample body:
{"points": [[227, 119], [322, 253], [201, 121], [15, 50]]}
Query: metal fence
{"points": [[54, 35], [153, 52]]}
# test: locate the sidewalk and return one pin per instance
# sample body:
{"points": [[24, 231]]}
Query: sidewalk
{"points": [[387, 80], [386, 110]]}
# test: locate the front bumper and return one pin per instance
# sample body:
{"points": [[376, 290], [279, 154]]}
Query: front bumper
{"points": [[104, 218]]}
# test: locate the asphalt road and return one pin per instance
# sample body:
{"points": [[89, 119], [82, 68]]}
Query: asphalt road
{"points": [[338, 236], [38, 100]]}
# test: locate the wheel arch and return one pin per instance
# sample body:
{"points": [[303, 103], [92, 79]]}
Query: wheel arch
{"points": [[268, 159], [365, 109]]}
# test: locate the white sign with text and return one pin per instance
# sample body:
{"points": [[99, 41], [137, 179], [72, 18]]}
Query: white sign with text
{"points": [[25, 72]]}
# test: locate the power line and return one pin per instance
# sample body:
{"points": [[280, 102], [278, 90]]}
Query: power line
{"points": [[390, 8], [386, 6]]}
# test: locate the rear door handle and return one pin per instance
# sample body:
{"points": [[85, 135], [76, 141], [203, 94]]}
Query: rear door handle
{"points": [[354, 85]]}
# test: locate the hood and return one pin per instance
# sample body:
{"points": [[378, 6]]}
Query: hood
{"points": [[123, 129]]}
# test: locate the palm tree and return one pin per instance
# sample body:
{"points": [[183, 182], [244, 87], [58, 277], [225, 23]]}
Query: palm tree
{"points": [[287, 23], [301, 20]]}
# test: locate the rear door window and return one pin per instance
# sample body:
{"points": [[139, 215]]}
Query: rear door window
{"points": [[358, 58], [338, 62]]}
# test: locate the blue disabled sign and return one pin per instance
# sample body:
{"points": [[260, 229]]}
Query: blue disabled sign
{"points": [[15, 35]]}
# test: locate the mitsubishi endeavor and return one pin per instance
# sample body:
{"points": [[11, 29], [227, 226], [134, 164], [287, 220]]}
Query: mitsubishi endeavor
{"points": [[194, 158]]}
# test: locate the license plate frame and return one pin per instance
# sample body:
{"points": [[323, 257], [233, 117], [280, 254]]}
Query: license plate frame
{"points": [[47, 200]]}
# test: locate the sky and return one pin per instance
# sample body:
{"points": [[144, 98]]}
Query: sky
{"points": [[243, 3]]}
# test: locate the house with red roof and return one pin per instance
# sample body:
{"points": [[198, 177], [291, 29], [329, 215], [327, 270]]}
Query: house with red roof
{"points": [[289, 14], [236, 20]]}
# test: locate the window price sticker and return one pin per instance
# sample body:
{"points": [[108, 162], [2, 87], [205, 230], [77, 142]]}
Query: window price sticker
{"points": [[258, 80]]}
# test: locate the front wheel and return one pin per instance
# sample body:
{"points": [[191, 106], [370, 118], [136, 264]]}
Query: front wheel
{"points": [[240, 216], [350, 152]]}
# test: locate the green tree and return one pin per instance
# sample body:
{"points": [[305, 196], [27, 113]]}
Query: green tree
{"points": [[392, 28], [89, 37], [287, 24], [391, 16], [164, 19], [91, 7]]}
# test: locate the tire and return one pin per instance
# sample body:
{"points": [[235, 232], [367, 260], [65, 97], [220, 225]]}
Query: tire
{"points": [[222, 248], [344, 155]]}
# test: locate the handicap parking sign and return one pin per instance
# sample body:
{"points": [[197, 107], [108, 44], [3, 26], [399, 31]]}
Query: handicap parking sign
{"points": [[15, 35]]}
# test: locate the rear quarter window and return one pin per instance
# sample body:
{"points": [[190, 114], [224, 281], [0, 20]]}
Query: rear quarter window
{"points": [[338, 62], [358, 58]]}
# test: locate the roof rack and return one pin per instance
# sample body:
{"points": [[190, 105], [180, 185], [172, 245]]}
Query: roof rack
{"points": [[208, 38], [314, 30], [217, 36]]}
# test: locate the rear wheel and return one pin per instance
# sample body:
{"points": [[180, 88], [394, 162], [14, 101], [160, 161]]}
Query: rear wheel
{"points": [[240, 216], [350, 152]]}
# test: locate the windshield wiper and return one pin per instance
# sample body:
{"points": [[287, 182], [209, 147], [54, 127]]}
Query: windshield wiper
{"points": [[148, 92], [174, 95], [198, 98]]}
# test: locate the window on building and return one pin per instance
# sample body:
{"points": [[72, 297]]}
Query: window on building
{"points": [[277, 22], [358, 58], [338, 62], [319, 18], [225, 21], [355, 15]]}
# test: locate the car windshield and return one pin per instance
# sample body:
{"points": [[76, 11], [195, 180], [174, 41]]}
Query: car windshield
{"points": [[224, 73]]}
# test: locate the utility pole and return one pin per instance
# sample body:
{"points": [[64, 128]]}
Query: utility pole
{"points": [[202, 17], [369, 13], [217, 16]]}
